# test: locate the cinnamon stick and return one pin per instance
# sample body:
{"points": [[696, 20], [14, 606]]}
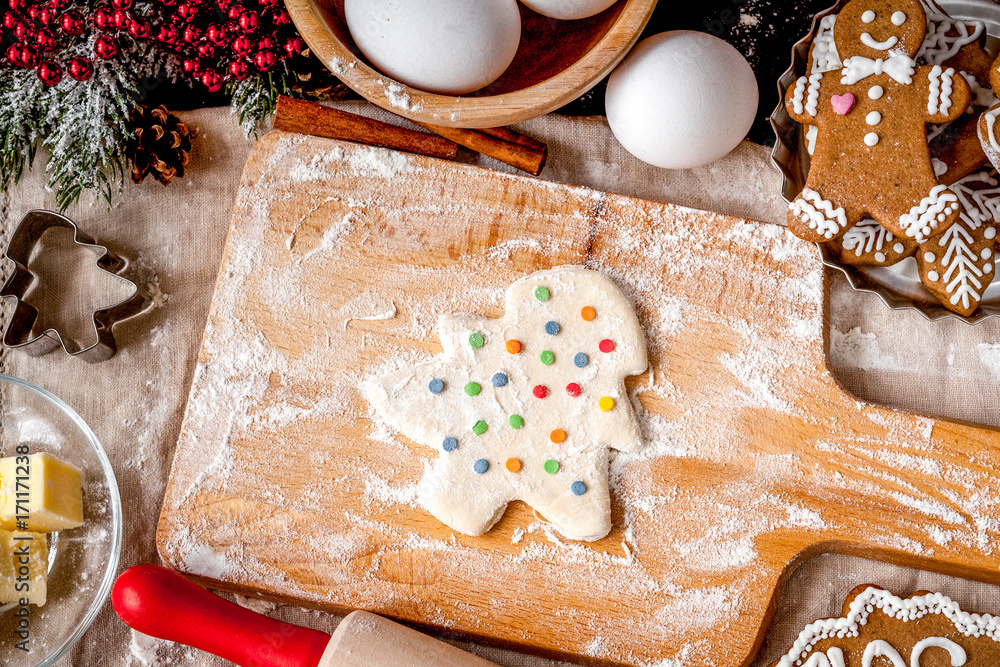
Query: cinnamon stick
{"points": [[315, 119], [499, 143]]}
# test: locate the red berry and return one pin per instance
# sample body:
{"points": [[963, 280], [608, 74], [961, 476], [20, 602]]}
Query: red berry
{"points": [[46, 16], [233, 13], [187, 11], [122, 4], [80, 68], [50, 73], [139, 29], [28, 57], [268, 3], [121, 19], [58, 5], [540, 391], [102, 19], [211, 80], [33, 12], [169, 34], [265, 43], [295, 46], [72, 23], [264, 60], [223, 5], [239, 70], [281, 18], [192, 35], [13, 55], [217, 34], [168, 3], [192, 66], [206, 50], [105, 47], [249, 21], [23, 32], [45, 40], [16, 5], [10, 20], [242, 45]]}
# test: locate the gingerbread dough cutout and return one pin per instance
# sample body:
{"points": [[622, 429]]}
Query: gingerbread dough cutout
{"points": [[871, 157], [525, 407]]}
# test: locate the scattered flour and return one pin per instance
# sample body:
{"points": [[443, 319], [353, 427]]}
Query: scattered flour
{"points": [[856, 349]]}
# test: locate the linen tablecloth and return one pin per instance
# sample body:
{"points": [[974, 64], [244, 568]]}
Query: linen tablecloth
{"points": [[135, 401]]}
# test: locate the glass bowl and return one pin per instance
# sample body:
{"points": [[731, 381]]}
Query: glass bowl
{"points": [[83, 561]]}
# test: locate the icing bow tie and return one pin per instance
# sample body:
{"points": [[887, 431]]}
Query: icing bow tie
{"points": [[856, 68]]}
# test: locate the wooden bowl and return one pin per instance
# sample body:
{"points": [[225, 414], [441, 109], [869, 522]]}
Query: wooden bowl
{"points": [[556, 62]]}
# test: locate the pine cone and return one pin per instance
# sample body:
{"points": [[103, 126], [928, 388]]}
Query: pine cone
{"points": [[158, 144]]}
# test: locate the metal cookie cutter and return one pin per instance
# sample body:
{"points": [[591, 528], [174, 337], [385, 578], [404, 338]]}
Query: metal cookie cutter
{"points": [[19, 332]]}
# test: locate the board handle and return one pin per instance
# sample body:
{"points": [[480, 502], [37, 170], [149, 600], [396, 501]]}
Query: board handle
{"points": [[161, 603]]}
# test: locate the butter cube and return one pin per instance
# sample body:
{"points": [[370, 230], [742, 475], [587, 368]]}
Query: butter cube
{"points": [[31, 565], [45, 492], [7, 592]]}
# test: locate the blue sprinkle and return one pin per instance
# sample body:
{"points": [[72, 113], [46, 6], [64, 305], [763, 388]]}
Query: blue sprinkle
{"points": [[481, 466], [436, 386], [581, 360], [450, 444], [552, 327], [578, 488], [499, 379]]}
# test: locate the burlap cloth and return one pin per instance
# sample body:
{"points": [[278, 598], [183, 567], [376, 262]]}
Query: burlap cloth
{"points": [[135, 401]]}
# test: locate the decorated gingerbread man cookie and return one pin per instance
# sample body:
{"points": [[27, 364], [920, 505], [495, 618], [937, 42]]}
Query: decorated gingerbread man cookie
{"points": [[525, 407], [871, 157], [879, 629]]}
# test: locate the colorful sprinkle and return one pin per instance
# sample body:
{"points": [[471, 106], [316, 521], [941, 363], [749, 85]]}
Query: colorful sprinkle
{"points": [[588, 313], [573, 389], [477, 340], [472, 388], [578, 488], [450, 444], [482, 465], [581, 360], [515, 421], [552, 327], [499, 379], [514, 465], [436, 386], [540, 391], [548, 357], [513, 346], [551, 466], [606, 403], [479, 427], [558, 435], [542, 293], [607, 345]]}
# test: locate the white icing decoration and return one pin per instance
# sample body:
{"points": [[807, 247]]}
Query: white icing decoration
{"points": [[873, 43], [978, 205], [962, 276], [798, 94], [865, 604], [987, 268], [938, 46], [941, 86], [880, 647], [873, 118], [939, 166], [933, 276], [929, 257], [898, 248], [472, 503], [812, 96], [871, 139], [986, 253], [898, 18], [867, 236], [981, 95], [856, 68], [868, 16], [990, 232], [875, 92], [811, 135], [955, 652], [825, 57], [922, 218], [834, 657], [991, 119], [880, 257], [819, 213]]}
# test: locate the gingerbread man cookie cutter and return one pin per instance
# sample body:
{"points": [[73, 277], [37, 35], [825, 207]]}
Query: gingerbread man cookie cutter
{"points": [[21, 333]]}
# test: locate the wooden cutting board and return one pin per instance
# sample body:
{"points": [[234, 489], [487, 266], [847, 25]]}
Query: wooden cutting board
{"points": [[339, 261]]}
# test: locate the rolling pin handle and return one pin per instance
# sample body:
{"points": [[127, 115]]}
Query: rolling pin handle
{"points": [[161, 603]]}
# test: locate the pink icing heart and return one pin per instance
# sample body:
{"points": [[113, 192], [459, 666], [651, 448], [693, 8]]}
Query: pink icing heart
{"points": [[842, 103]]}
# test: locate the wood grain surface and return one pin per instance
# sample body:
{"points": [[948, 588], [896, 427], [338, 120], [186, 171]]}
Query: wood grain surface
{"points": [[339, 260]]}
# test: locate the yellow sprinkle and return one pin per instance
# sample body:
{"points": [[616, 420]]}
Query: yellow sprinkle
{"points": [[606, 403]]}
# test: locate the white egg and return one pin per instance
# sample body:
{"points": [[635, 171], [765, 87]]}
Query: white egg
{"points": [[681, 99], [568, 10], [442, 46]]}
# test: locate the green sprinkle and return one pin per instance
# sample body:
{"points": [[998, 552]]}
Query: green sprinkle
{"points": [[515, 421], [548, 358], [552, 466], [477, 340], [479, 427], [542, 293], [472, 388]]}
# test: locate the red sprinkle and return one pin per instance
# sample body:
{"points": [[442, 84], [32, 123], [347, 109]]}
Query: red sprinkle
{"points": [[573, 389], [607, 345], [540, 391]]}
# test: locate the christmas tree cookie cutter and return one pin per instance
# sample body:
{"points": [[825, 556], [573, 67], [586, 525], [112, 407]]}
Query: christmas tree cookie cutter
{"points": [[20, 331]]}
